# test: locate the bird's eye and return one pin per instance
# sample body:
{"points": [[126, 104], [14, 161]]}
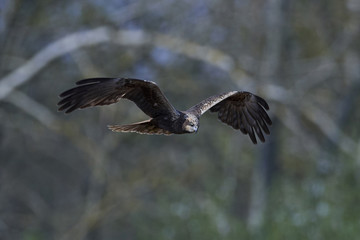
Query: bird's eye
{"points": [[191, 124]]}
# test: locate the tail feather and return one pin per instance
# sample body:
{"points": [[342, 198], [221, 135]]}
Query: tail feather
{"points": [[144, 127]]}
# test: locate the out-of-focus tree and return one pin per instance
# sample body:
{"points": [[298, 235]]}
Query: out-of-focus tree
{"points": [[68, 177]]}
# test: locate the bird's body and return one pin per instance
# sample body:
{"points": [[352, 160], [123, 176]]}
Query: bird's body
{"points": [[241, 110]]}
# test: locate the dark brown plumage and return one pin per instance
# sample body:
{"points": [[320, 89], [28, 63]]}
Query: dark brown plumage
{"points": [[241, 110]]}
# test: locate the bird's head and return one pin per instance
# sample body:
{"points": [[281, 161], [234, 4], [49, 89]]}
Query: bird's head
{"points": [[191, 123]]}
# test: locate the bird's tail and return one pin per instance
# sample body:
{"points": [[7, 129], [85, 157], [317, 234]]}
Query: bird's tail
{"points": [[144, 127]]}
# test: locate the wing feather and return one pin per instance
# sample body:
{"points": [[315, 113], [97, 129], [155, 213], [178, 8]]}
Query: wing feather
{"points": [[240, 110], [104, 91], [235, 119], [241, 122]]}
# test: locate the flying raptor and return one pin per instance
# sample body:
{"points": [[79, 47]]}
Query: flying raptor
{"points": [[241, 110]]}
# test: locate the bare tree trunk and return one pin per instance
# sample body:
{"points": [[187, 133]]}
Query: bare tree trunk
{"points": [[262, 176], [266, 162]]}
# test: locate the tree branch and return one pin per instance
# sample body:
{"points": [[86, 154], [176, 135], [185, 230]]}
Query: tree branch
{"points": [[48, 54], [192, 50]]}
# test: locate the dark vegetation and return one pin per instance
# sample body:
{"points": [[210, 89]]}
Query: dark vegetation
{"points": [[69, 177]]}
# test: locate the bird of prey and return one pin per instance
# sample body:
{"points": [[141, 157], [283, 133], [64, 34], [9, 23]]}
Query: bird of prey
{"points": [[239, 109]]}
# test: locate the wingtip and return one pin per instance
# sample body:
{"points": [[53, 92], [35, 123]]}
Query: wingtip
{"points": [[61, 95], [270, 122], [61, 109], [263, 102]]}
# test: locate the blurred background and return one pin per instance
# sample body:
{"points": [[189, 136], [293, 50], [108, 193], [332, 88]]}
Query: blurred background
{"points": [[69, 177]]}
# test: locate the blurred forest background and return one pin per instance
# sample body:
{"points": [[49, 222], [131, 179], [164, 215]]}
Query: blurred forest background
{"points": [[69, 177]]}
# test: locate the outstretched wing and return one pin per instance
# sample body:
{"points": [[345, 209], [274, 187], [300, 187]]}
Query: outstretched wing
{"points": [[104, 91], [241, 110]]}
